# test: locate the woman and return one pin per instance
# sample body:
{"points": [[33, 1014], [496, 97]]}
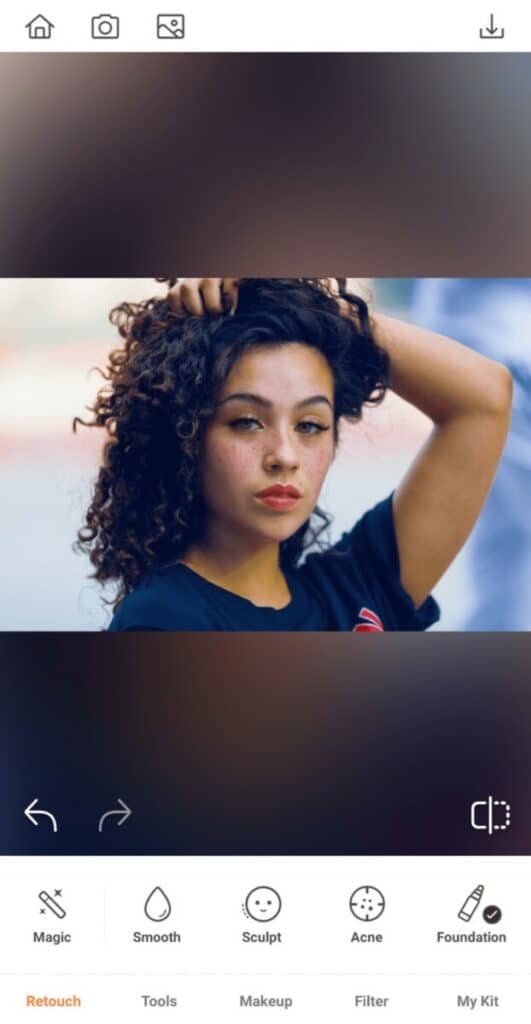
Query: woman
{"points": [[222, 411]]}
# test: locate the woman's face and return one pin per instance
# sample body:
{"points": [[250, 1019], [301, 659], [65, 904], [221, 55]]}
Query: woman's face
{"points": [[270, 442]]}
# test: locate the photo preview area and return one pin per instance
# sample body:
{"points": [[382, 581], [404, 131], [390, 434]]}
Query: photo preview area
{"points": [[57, 333]]}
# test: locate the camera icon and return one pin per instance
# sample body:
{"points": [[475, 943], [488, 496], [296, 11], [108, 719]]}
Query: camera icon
{"points": [[105, 26]]}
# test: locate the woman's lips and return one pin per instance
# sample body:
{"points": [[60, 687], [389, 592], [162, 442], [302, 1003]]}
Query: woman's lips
{"points": [[280, 496]]}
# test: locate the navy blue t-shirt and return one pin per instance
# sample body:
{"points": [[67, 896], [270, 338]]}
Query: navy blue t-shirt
{"points": [[354, 585]]}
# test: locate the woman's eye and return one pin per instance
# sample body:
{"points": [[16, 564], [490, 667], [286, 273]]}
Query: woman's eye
{"points": [[249, 424], [308, 427], [246, 423]]}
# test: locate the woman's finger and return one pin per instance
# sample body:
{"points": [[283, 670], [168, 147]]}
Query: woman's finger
{"points": [[230, 293], [185, 298], [190, 296], [210, 290], [180, 296], [333, 285], [195, 296]]}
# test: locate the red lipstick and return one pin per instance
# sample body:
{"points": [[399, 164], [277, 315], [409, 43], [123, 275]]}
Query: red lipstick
{"points": [[281, 497]]}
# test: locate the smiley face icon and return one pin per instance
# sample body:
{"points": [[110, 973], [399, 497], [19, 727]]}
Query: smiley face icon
{"points": [[262, 903]]}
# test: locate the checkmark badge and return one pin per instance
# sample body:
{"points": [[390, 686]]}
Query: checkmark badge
{"points": [[492, 914]]}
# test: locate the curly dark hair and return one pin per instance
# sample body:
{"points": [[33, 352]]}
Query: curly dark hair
{"points": [[160, 393]]}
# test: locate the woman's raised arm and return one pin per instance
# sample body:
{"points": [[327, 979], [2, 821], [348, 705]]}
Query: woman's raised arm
{"points": [[468, 398]]}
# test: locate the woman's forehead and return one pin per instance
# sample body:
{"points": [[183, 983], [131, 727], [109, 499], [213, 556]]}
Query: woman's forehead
{"points": [[277, 372]]}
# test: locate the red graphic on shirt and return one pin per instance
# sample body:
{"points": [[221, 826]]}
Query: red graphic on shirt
{"points": [[371, 623]]}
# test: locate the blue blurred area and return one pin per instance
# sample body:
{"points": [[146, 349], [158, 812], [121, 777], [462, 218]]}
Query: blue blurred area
{"points": [[493, 316]]}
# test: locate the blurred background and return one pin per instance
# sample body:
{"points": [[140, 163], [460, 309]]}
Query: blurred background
{"points": [[53, 332]]}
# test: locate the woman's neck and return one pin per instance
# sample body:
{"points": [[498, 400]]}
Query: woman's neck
{"points": [[251, 571]]}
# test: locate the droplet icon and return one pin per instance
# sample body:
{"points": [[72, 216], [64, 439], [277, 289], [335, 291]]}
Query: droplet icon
{"points": [[157, 906]]}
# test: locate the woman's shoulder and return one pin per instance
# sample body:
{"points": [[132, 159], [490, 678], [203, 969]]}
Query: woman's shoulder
{"points": [[165, 599], [360, 575], [371, 537]]}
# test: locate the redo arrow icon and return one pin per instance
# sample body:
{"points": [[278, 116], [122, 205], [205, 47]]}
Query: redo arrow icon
{"points": [[120, 815]]}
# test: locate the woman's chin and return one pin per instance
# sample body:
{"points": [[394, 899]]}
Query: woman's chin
{"points": [[281, 530]]}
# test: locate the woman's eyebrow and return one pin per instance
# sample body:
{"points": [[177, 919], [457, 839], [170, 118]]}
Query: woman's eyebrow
{"points": [[248, 396], [313, 400]]}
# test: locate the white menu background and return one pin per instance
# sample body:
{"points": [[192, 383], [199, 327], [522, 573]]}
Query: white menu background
{"points": [[306, 962]]}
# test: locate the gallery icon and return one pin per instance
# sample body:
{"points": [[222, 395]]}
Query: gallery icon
{"points": [[367, 903], [262, 903], [170, 26], [105, 26], [39, 27]]}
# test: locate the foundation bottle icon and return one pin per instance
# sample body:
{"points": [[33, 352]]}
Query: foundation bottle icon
{"points": [[471, 903]]}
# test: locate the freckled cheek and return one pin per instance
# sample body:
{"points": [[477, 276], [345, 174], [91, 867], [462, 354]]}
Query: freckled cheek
{"points": [[317, 464], [233, 465]]}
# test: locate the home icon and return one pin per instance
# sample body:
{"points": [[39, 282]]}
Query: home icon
{"points": [[39, 27]]}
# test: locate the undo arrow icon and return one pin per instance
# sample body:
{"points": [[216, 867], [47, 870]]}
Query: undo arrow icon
{"points": [[31, 814]]}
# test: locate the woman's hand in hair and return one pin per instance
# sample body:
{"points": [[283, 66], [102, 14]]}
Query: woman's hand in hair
{"points": [[199, 296]]}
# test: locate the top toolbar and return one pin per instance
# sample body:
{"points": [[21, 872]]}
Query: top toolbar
{"points": [[281, 26]]}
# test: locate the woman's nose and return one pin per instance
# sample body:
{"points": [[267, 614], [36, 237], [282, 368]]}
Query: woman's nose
{"points": [[281, 451]]}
